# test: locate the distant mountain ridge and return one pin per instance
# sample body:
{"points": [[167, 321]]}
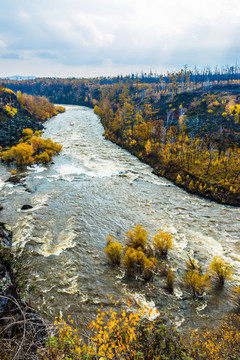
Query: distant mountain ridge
{"points": [[19, 77]]}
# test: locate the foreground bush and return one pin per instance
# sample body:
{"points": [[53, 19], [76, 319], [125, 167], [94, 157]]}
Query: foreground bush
{"points": [[129, 336], [22, 154], [115, 336], [217, 344]]}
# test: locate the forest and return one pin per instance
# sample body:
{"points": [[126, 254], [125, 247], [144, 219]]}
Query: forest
{"points": [[185, 125]]}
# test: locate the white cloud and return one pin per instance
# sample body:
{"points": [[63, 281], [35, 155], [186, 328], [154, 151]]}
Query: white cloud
{"points": [[110, 34], [2, 44], [23, 15]]}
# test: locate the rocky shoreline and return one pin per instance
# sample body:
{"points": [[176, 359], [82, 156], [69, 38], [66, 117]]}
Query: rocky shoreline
{"points": [[11, 127], [23, 330]]}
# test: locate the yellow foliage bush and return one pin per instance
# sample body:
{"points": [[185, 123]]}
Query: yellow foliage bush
{"points": [[137, 238], [113, 250], [43, 158], [10, 110], [163, 242], [148, 147], [220, 270], [130, 262], [149, 267], [31, 149], [20, 155], [217, 344], [137, 259], [196, 282], [179, 179], [27, 133], [115, 336], [127, 336], [135, 262]]}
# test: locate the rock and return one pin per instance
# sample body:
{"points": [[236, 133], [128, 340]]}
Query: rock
{"points": [[26, 207], [30, 190], [15, 179], [5, 235], [1, 206]]}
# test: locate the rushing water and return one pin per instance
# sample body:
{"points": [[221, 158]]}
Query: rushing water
{"points": [[94, 188]]}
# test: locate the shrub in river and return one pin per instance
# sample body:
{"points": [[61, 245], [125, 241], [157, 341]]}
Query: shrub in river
{"points": [[192, 264], [149, 267], [131, 262], [136, 260], [137, 238], [163, 242], [220, 270], [196, 282], [169, 281], [113, 250], [135, 263]]}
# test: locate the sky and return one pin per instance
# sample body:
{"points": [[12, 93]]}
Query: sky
{"points": [[89, 38]]}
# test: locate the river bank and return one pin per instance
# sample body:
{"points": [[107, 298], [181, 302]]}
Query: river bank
{"points": [[171, 171]]}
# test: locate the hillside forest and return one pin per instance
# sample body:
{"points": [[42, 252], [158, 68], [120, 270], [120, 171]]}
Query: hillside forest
{"points": [[185, 125]]}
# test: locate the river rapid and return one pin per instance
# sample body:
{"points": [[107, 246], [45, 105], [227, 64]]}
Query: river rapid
{"points": [[94, 188]]}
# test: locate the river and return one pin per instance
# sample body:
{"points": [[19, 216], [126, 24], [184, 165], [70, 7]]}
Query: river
{"points": [[94, 188]]}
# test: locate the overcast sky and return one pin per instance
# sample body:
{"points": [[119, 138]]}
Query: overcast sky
{"points": [[82, 38]]}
